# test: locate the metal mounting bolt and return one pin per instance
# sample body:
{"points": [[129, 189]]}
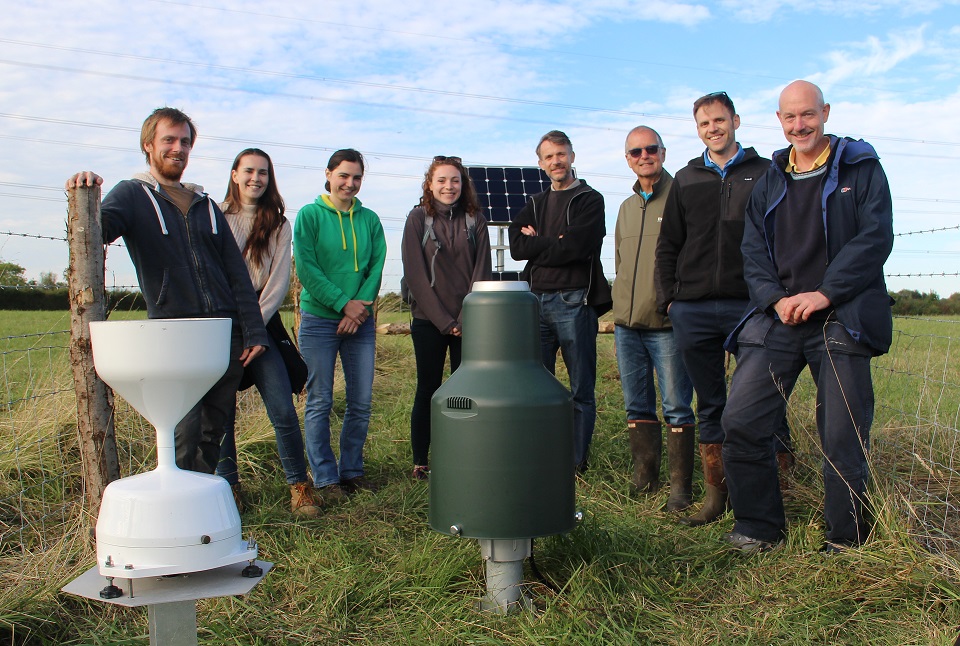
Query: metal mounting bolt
{"points": [[455, 530]]}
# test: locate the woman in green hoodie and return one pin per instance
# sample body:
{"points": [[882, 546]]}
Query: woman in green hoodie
{"points": [[339, 248]]}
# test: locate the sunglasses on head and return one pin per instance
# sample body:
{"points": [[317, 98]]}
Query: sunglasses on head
{"points": [[713, 95], [636, 153], [444, 158]]}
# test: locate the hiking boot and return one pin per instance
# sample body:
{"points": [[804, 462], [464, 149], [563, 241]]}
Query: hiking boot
{"points": [[747, 545], [303, 500], [331, 494], [356, 484], [421, 472], [646, 445]]}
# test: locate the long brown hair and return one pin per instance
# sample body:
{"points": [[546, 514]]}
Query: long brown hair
{"points": [[468, 195], [270, 208]]}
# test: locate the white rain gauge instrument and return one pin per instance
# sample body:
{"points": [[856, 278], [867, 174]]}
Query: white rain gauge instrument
{"points": [[166, 521]]}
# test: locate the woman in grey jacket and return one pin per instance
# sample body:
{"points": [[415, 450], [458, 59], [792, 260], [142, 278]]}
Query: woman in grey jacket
{"points": [[445, 249]]}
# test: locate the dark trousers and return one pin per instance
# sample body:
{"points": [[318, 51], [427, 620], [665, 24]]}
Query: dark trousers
{"points": [[430, 350], [770, 359], [197, 437], [701, 328]]}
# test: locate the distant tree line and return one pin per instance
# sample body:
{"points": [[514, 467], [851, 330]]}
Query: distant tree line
{"points": [[910, 302], [50, 292]]}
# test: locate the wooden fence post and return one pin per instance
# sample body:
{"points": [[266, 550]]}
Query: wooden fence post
{"points": [[98, 442]]}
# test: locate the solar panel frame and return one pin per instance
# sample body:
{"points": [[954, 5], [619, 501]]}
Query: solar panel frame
{"points": [[504, 190]]}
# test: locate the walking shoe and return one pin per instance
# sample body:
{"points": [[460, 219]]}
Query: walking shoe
{"points": [[303, 500], [331, 494], [421, 472], [356, 484], [747, 545]]}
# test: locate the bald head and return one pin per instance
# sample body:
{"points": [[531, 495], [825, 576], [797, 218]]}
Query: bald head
{"points": [[643, 130], [802, 116], [802, 90]]}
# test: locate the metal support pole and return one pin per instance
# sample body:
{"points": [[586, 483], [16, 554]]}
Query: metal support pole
{"points": [[501, 245], [173, 624], [504, 566]]}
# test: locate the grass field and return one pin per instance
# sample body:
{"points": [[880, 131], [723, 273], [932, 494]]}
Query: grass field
{"points": [[372, 572]]}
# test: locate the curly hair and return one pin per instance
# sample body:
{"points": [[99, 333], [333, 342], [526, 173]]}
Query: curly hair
{"points": [[468, 195]]}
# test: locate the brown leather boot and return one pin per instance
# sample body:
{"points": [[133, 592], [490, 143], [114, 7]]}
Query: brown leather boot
{"points": [[785, 464], [646, 446], [715, 497], [680, 441], [303, 500]]}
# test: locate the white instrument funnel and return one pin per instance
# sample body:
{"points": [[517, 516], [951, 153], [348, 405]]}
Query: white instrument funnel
{"points": [[166, 521]]}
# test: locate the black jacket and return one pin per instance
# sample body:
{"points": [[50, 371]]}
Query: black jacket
{"points": [[698, 254], [567, 262], [187, 266]]}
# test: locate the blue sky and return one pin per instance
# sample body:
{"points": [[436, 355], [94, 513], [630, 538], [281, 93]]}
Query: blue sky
{"points": [[403, 82]]}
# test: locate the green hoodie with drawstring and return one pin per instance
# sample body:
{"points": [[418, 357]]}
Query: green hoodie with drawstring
{"points": [[339, 256]]}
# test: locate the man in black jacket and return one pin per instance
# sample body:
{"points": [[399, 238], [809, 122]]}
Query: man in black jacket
{"points": [[819, 229], [188, 265], [699, 273], [559, 233]]}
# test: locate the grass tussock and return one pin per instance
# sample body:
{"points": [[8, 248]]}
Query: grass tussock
{"points": [[371, 571]]}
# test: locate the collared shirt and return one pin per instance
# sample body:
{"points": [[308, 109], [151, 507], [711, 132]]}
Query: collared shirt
{"points": [[730, 162], [820, 161]]}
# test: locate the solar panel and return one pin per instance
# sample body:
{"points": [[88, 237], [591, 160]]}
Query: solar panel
{"points": [[504, 190]]}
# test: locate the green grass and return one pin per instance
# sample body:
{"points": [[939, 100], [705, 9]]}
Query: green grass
{"points": [[372, 572]]}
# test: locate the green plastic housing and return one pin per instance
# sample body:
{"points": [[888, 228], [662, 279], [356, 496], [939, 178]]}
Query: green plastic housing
{"points": [[502, 428]]}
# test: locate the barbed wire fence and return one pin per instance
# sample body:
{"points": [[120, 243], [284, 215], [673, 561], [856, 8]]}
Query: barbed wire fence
{"points": [[914, 452]]}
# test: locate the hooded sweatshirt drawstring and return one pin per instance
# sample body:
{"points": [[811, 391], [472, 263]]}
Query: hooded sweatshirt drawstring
{"points": [[343, 235]]}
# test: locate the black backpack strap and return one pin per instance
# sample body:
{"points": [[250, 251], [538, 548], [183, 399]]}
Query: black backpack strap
{"points": [[430, 234]]}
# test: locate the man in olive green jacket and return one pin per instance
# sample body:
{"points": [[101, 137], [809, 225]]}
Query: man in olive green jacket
{"points": [[644, 337]]}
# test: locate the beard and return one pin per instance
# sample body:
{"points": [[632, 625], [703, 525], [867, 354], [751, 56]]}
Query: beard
{"points": [[168, 170]]}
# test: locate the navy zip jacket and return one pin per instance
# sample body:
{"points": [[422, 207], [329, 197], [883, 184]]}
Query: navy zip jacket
{"points": [[187, 266], [857, 215]]}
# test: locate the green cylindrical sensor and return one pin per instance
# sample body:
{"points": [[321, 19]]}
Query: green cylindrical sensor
{"points": [[502, 427]]}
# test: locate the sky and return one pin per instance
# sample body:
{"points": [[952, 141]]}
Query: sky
{"points": [[483, 80]]}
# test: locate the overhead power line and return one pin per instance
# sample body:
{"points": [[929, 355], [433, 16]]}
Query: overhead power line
{"points": [[393, 87]]}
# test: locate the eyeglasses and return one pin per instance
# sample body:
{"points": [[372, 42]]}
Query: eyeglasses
{"points": [[444, 158], [636, 153]]}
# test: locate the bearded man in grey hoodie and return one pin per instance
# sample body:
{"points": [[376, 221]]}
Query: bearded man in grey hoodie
{"points": [[188, 265]]}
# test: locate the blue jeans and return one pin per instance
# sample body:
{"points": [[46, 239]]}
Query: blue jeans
{"points": [[320, 344], [701, 328], [770, 359], [270, 378], [568, 324], [640, 354]]}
